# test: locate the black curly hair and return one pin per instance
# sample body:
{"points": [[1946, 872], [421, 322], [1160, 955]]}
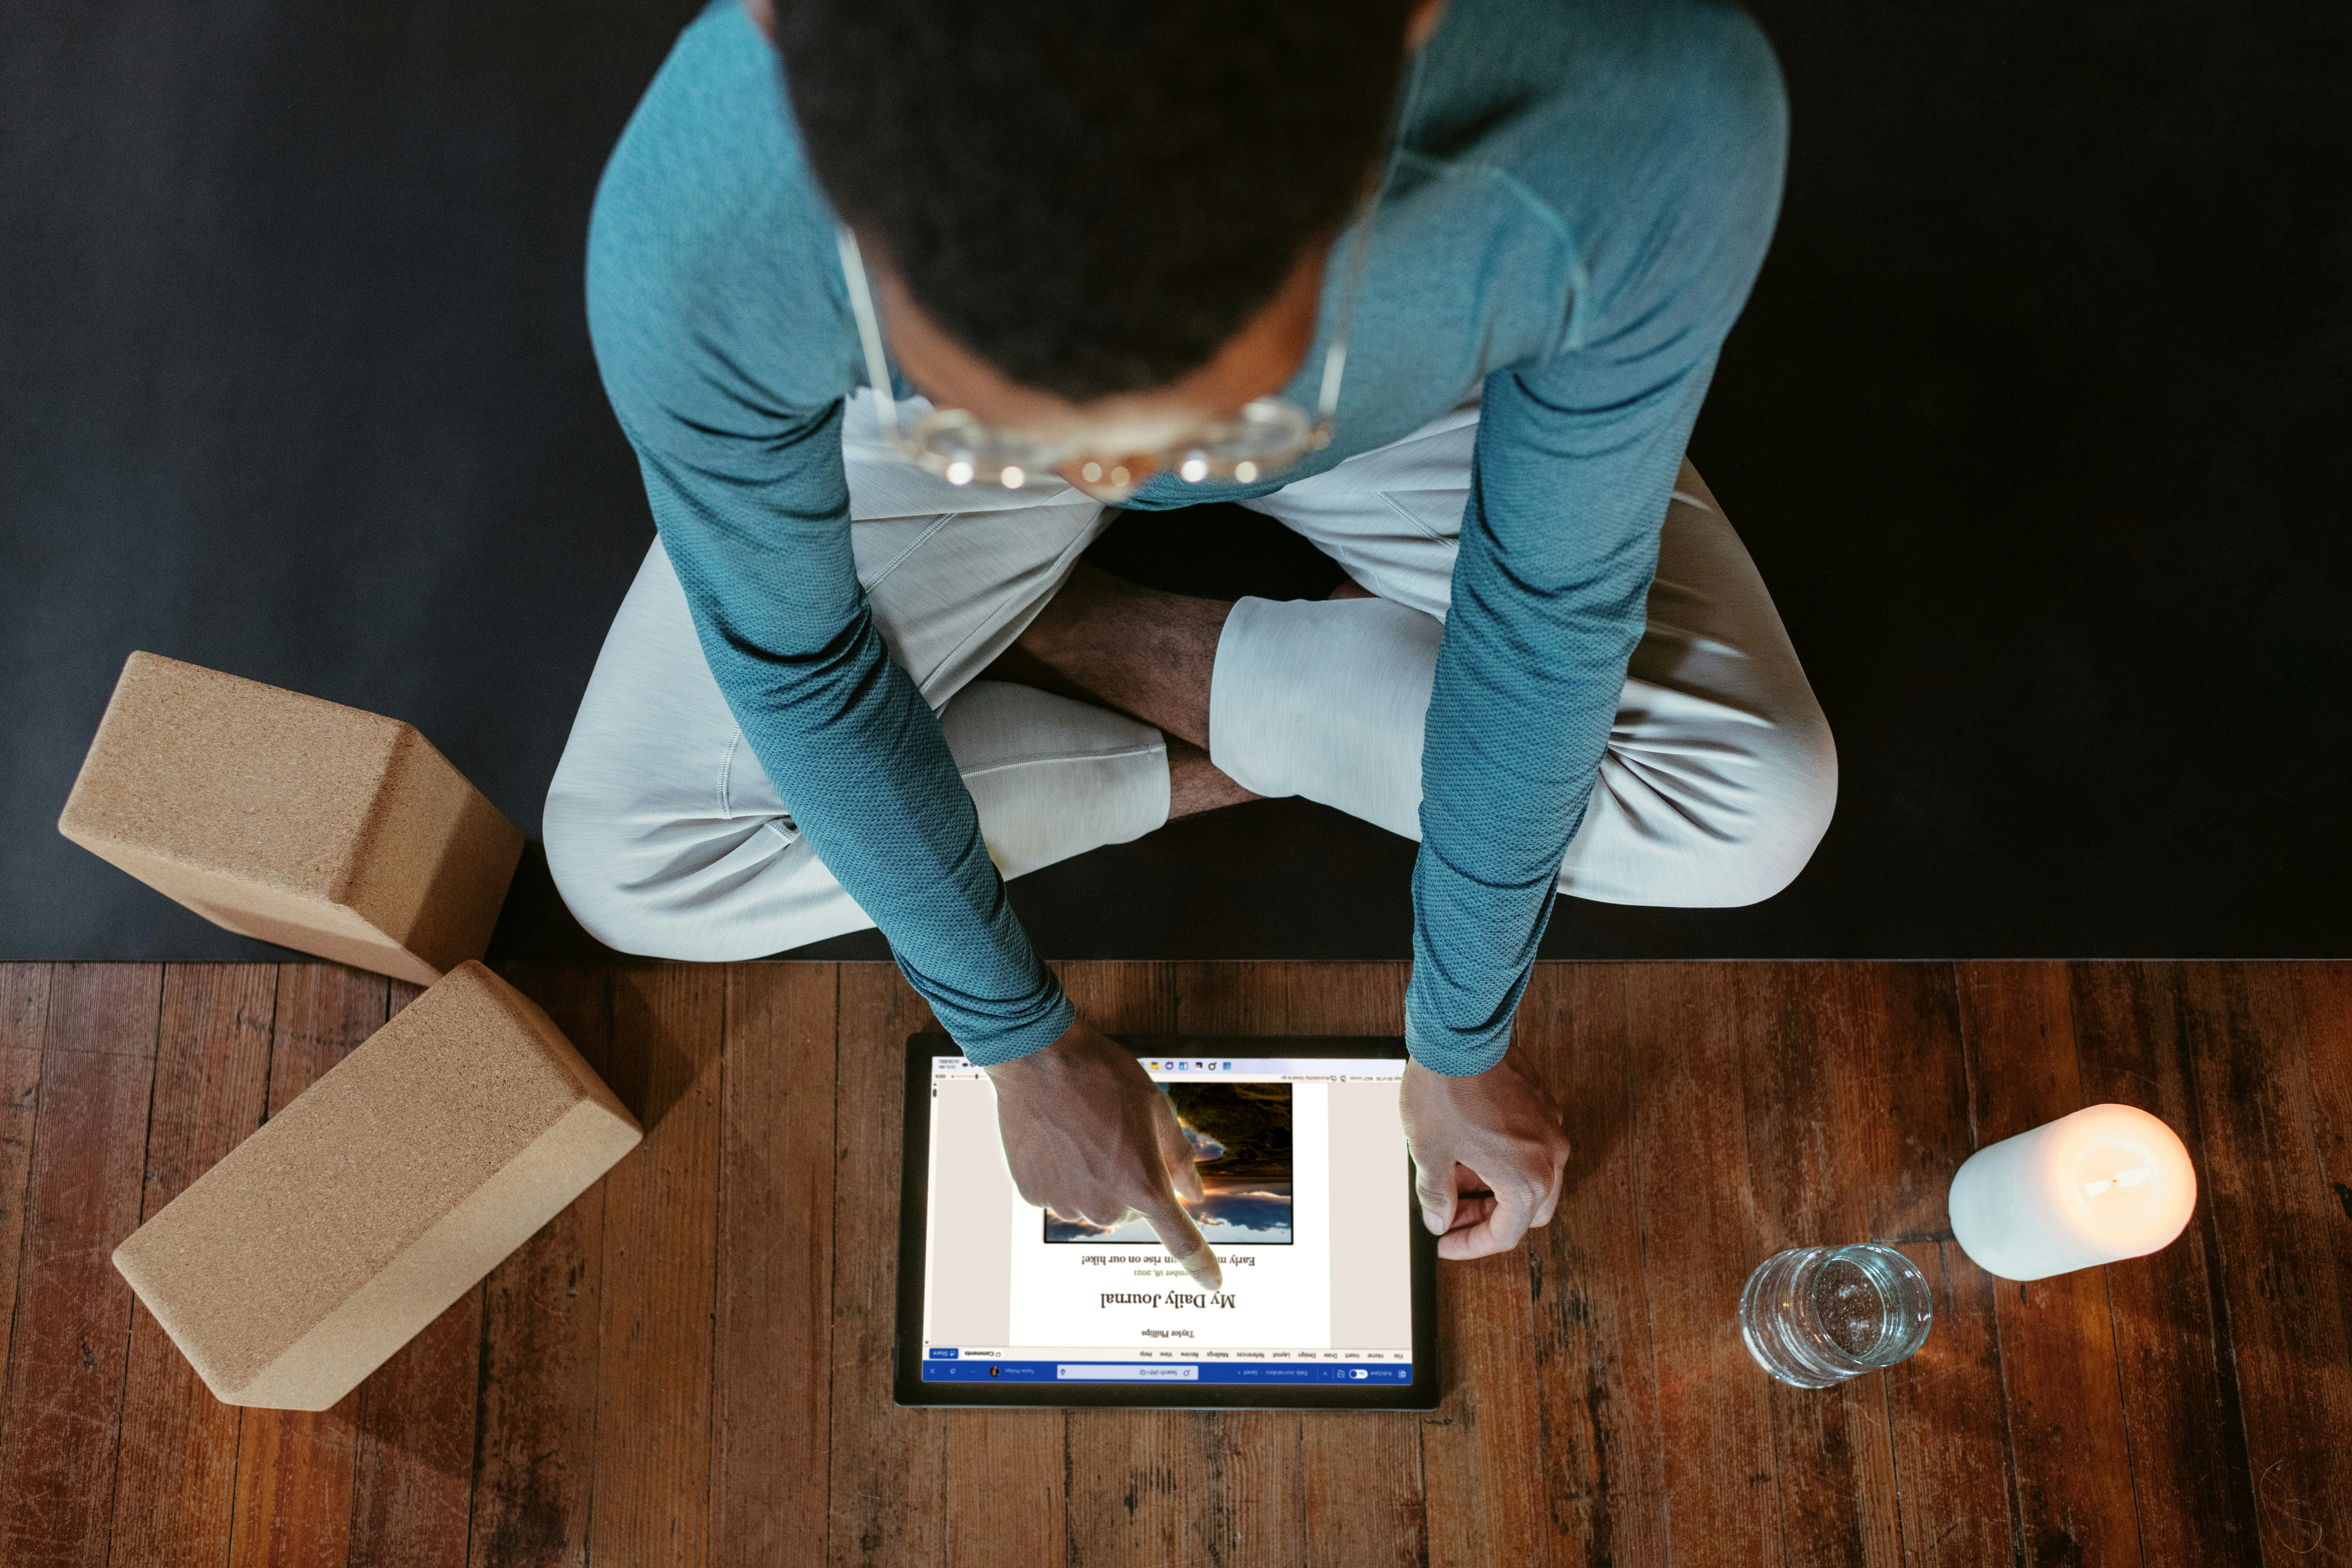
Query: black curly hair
{"points": [[1093, 197]]}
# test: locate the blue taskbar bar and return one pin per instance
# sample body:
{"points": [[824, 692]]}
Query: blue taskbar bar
{"points": [[994, 1371]]}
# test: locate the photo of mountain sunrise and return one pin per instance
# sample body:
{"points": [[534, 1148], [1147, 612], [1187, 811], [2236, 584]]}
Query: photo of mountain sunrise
{"points": [[1240, 1134]]}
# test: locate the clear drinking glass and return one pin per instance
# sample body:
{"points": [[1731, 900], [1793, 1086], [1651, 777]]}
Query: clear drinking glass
{"points": [[1815, 1316]]}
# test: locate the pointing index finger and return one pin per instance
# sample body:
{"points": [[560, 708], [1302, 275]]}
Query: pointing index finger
{"points": [[1177, 1152], [1184, 1242]]}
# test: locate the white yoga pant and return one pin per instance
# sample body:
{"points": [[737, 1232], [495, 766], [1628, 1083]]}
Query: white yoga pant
{"points": [[665, 838]]}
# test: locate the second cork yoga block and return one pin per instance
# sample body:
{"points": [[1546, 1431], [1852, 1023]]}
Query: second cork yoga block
{"points": [[353, 1217], [301, 822]]}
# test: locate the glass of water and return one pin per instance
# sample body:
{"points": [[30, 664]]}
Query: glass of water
{"points": [[1815, 1316]]}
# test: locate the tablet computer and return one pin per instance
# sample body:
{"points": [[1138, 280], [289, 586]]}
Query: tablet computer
{"points": [[1330, 1280]]}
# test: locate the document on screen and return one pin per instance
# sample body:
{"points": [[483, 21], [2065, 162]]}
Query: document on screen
{"points": [[1302, 1170]]}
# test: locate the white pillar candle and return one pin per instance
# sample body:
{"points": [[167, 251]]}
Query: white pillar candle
{"points": [[2108, 1181]]}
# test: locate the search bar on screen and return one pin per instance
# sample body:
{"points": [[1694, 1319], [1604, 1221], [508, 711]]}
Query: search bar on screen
{"points": [[1083, 1374]]}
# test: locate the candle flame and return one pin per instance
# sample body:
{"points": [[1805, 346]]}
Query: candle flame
{"points": [[2091, 1189]]}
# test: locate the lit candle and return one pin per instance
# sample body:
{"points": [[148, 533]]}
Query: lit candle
{"points": [[2108, 1181]]}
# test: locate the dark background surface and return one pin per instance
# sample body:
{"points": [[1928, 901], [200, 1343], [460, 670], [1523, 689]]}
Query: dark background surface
{"points": [[2029, 427]]}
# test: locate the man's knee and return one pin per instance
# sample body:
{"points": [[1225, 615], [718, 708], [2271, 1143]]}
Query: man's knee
{"points": [[586, 854], [705, 889], [1793, 795]]}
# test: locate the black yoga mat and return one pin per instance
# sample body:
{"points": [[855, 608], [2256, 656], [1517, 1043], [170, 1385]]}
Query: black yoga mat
{"points": [[2029, 427]]}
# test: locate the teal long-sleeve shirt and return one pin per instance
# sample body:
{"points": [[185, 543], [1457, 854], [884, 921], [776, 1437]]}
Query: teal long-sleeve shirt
{"points": [[1580, 198]]}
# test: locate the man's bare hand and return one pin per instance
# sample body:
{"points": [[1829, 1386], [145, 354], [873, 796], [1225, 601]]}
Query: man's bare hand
{"points": [[1488, 1152], [1091, 1138]]}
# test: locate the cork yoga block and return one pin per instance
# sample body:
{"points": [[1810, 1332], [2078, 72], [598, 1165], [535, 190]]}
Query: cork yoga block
{"points": [[330, 1237], [300, 822]]}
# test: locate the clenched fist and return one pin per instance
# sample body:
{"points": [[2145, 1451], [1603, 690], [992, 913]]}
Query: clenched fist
{"points": [[1488, 1152]]}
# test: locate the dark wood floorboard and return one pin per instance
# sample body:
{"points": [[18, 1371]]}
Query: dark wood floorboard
{"points": [[294, 1469], [175, 1464], [2067, 1427], [1595, 1378], [542, 1324], [650, 1503], [24, 1017], [1814, 1102], [2324, 992], [1945, 1407], [692, 1363], [69, 1335], [774, 1322], [1721, 1500], [2192, 1485], [2282, 1288]]}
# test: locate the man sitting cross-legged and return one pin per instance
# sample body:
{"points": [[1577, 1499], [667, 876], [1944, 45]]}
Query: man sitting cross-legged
{"points": [[898, 303]]}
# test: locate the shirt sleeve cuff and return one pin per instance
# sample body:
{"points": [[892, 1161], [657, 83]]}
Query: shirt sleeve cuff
{"points": [[991, 1046], [1460, 1056]]}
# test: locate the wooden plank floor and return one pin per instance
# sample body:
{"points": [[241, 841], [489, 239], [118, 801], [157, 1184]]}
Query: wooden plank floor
{"points": [[691, 1364]]}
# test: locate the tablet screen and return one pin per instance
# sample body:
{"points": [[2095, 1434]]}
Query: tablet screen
{"points": [[1307, 1182]]}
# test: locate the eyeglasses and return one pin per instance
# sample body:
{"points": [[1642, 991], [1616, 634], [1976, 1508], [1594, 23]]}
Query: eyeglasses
{"points": [[1264, 437]]}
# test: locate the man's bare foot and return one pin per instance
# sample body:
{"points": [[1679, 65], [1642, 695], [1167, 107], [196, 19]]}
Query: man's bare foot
{"points": [[1194, 783], [1197, 784], [1137, 650]]}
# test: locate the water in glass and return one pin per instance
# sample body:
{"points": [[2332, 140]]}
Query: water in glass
{"points": [[1815, 1316]]}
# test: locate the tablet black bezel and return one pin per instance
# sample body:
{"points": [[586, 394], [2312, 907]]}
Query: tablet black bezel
{"points": [[910, 1390]]}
